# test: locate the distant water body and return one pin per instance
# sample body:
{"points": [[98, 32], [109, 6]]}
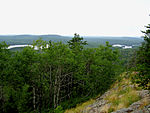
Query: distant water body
{"points": [[16, 46], [115, 45], [122, 46]]}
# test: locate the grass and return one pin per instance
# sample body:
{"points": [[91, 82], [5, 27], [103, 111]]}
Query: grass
{"points": [[80, 107], [122, 94]]}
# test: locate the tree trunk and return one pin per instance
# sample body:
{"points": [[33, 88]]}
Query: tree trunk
{"points": [[57, 87], [1, 97], [40, 95], [59, 83], [34, 104], [55, 90], [50, 86]]}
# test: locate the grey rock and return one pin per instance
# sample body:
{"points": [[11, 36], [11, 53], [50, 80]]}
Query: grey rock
{"points": [[148, 106], [132, 86], [133, 108], [103, 96], [138, 111], [144, 93], [124, 110], [116, 88], [136, 105]]}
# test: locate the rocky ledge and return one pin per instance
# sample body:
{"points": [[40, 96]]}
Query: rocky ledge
{"points": [[137, 107]]}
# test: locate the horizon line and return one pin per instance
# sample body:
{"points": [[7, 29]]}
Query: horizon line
{"points": [[71, 35]]}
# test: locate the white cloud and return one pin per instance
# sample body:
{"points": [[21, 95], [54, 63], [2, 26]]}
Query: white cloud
{"points": [[65, 17]]}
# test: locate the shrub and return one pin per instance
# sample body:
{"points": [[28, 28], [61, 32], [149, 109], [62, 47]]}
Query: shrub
{"points": [[59, 109]]}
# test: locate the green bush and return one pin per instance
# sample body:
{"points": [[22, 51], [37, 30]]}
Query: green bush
{"points": [[59, 109]]}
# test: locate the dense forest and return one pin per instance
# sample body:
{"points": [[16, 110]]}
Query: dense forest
{"points": [[59, 75], [62, 74]]}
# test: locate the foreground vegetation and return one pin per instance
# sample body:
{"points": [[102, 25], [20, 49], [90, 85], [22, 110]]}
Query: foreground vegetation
{"points": [[121, 94], [55, 77], [124, 91], [59, 76]]}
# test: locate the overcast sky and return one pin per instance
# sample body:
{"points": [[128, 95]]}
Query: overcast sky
{"points": [[66, 17]]}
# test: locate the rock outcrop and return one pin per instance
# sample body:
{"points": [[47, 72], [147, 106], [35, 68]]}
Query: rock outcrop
{"points": [[124, 96], [137, 107]]}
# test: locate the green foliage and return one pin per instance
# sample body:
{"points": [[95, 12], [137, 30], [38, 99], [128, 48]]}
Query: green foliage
{"points": [[128, 58], [76, 43], [110, 110], [59, 109], [4, 67], [23, 99], [143, 62], [54, 76], [40, 44]]}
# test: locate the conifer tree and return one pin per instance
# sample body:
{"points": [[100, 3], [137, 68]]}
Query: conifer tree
{"points": [[77, 42], [143, 61]]}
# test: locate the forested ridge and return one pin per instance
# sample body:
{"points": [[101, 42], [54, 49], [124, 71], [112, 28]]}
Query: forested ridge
{"points": [[58, 76], [93, 41]]}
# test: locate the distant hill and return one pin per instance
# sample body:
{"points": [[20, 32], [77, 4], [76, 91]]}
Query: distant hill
{"points": [[28, 39], [93, 41], [129, 41]]}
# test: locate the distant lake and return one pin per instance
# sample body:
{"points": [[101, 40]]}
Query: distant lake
{"points": [[122, 46], [18, 46], [115, 45], [15, 46]]}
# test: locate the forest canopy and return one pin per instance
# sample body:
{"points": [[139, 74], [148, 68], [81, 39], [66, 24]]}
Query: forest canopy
{"points": [[56, 76]]}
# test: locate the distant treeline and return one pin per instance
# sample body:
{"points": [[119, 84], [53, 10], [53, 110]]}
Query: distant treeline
{"points": [[92, 41]]}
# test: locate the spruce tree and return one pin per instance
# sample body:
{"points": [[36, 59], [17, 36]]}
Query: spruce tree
{"points": [[77, 42], [143, 61]]}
